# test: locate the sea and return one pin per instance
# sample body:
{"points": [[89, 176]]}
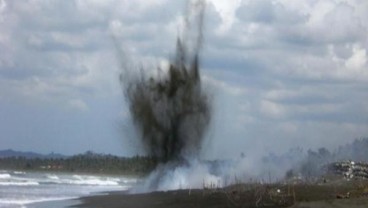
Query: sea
{"points": [[20, 189]]}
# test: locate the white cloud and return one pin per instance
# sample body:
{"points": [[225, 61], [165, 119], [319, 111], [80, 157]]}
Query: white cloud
{"points": [[78, 104], [358, 59], [271, 109], [226, 10], [2, 9], [289, 71]]}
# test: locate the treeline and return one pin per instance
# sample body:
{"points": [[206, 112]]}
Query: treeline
{"points": [[88, 162], [312, 163], [315, 162]]}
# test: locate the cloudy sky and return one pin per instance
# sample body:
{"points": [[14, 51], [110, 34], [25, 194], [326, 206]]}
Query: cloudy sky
{"points": [[282, 73]]}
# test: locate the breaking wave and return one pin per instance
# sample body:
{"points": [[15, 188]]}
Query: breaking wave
{"points": [[19, 189], [4, 175], [19, 183]]}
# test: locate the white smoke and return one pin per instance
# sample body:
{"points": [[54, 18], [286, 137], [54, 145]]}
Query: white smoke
{"points": [[197, 174], [191, 176]]}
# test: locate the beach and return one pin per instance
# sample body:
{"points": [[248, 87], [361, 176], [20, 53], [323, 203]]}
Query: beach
{"points": [[62, 190], [55, 204], [181, 199], [174, 199], [306, 196]]}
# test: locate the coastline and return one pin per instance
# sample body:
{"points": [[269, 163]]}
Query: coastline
{"points": [[63, 203]]}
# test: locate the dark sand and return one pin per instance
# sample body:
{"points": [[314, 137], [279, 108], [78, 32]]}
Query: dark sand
{"points": [[306, 196], [341, 203], [175, 199]]}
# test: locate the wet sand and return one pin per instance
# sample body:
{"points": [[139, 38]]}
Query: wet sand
{"points": [[55, 204]]}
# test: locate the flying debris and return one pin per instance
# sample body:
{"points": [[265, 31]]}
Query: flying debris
{"points": [[172, 111]]}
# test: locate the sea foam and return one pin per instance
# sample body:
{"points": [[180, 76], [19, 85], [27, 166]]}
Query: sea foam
{"points": [[22, 189], [4, 175]]}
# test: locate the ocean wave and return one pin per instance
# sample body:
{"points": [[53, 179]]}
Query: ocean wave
{"points": [[80, 180], [94, 180], [130, 180], [53, 177], [18, 191], [12, 201], [95, 183], [19, 183], [5, 175], [19, 172], [7, 179]]}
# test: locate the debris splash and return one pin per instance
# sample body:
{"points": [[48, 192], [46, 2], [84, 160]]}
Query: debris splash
{"points": [[171, 111]]}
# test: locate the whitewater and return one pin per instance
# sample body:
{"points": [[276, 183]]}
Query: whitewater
{"points": [[22, 189]]}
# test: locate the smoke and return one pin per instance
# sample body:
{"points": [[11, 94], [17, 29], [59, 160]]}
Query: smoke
{"points": [[171, 111], [170, 176]]}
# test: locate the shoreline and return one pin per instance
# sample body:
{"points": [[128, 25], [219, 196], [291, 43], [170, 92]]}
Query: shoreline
{"points": [[62, 203], [173, 199]]}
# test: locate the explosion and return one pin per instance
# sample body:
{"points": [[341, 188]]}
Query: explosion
{"points": [[172, 111]]}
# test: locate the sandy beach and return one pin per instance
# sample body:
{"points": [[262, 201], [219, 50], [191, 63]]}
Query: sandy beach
{"points": [[306, 196], [175, 199]]}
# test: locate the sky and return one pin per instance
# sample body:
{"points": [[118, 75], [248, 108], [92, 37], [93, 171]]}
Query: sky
{"points": [[282, 73]]}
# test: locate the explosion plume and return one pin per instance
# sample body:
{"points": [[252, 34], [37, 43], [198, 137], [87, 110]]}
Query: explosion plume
{"points": [[172, 111]]}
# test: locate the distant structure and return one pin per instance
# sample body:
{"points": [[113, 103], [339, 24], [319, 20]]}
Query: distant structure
{"points": [[349, 169]]}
